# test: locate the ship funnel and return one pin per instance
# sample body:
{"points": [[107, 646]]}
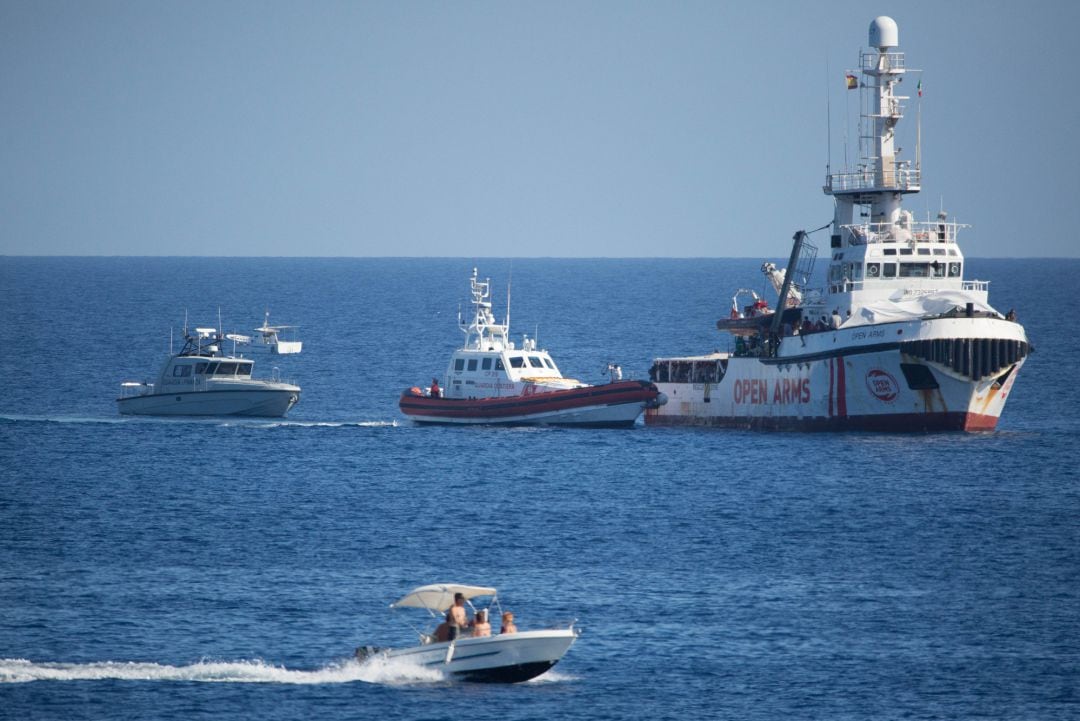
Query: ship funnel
{"points": [[884, 33]]}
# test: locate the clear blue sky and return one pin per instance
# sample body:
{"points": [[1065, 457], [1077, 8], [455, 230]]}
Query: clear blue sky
{"points": [[687, 129]]}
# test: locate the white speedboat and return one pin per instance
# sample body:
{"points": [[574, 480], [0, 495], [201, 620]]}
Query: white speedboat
{"points": [[202, 380], [498, 658], [490, 380]]}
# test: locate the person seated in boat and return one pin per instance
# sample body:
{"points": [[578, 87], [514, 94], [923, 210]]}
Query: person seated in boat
{"points": [[480, 625], [442, 633], [435, 391], [455, 617], [508, 623]]}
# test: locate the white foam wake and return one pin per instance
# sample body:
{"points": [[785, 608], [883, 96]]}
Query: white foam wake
{"points": [[208, 420], [376, 670]]}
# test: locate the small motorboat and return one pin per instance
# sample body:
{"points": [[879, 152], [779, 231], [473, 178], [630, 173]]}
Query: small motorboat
{"points": [[490, 380], [202, 380], [498, 658], [275, 337]]}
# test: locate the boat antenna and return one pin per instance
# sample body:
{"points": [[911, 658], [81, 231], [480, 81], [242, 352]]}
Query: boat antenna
{"points": [[828, 117], [918, 133], [509, 282], [219, 329]]}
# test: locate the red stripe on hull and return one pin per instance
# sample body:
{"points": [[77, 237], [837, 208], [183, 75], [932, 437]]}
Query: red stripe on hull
{"points": [[896, 423], [496, 409]]}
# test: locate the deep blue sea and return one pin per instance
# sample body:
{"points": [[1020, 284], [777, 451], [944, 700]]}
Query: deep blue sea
{"points": [[186, 569]]}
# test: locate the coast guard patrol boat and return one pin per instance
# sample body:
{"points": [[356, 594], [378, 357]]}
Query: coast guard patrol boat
{"points": [[203, 380], [897, 340], [491, 381]]}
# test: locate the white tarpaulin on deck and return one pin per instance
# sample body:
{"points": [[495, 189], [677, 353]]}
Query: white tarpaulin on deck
{"points": [[932, 304]]}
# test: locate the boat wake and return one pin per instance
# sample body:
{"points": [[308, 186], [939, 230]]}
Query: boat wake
{"points": [[387, 672], [220, 422]]}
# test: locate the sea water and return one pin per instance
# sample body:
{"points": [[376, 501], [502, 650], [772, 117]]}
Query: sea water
{"points": [[227, 568]]}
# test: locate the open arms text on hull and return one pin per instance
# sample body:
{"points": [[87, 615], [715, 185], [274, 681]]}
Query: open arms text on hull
{"points": [[897, 340]]}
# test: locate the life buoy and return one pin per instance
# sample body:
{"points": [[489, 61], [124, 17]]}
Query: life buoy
{"points": [[872, 270]]}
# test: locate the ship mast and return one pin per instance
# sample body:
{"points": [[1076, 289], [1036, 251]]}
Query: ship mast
{"points": [[881, 178]]}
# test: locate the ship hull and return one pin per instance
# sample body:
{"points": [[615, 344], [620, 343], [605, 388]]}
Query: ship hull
{"points": [[612, 405], [254, 403], [505, 658], [947, 376]]}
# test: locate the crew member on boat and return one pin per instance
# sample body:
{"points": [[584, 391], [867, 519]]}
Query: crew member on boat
{"points": [[456, 617], [435, 391]]}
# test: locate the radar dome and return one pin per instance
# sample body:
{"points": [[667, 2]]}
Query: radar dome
{"points": [[884, 33]]}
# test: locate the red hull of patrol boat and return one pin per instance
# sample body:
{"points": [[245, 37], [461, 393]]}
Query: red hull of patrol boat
{"points": [[610, 405]]}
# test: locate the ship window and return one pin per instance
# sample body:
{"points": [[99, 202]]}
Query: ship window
{"points": [[549, 364], [459, 364], [535, 362], [243, 369], [485, 364], [888, 270], [517, 361], [939, 251], [200, 367], [938, 269], [835, 273], [924, 251], [890, 251], [499, 365], [226, 369], [472, 364], [873, 270], [210, 370], [954, 270], [905, 251], [181, 371], [952, 251], [914, 270]]}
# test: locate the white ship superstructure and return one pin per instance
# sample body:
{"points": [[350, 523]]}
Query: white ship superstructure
{"points": [[896, 339]]}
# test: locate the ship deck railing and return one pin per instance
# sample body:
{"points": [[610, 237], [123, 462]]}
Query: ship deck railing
{"points": [[916, 232], [900, 178]]}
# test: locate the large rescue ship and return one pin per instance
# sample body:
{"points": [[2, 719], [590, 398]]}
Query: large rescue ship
{"points": [[897, 340]]}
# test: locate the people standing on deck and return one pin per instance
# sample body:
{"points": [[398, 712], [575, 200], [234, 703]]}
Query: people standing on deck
{"points": [[435, 392], [456, 617], [508, 623]]}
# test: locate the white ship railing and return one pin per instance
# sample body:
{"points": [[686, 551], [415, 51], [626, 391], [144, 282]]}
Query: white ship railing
{"points": [[918, 232], [893, 61], [901, 177]]}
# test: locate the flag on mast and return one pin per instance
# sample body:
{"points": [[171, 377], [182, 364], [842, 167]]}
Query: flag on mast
{"points": [[852, 82], [919, 87]]}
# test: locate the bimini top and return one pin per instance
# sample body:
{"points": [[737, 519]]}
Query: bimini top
{"points": [[439, 596]]}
